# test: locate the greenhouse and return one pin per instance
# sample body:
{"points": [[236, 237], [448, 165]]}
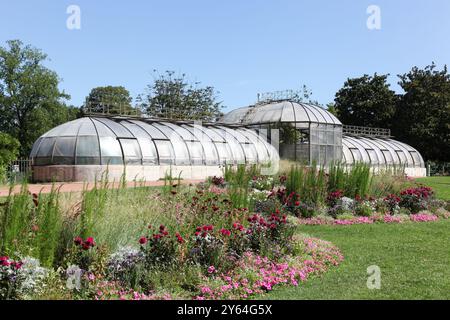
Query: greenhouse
{"points": [[314, 135], [382, 153], [147, 149], [86, 148], [307, 133]]}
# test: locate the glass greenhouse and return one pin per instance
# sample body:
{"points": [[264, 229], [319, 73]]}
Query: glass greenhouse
{"points": [[308, 133], [84, 149], [101, 141], [380, 152]]}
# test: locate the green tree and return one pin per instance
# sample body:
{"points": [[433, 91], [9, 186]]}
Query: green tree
{"points": [[171, 96], [9, 150], [423, 112], [366, 101], [30, 101], [109, 100]]}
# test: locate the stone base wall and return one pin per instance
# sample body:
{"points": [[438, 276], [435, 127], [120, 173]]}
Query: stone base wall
{"points": [[71, 173]]}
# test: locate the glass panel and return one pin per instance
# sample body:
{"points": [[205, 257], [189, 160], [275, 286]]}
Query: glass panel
{"points": [[250, 152], [402, 157], [87, 150], [64, 152], [356, 154], [46, 148], [388, 156], [210, 153], [87, 129], [151, 130], [35, 147], [348, 158], [131, 151], [117, 128], [111, 151], [373, 156], [416, 157], [196, 152], [165, 151], [149, 155], [224, 152]]}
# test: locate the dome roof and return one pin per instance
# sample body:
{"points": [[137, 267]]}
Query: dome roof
{"points": [[281, 111], [379, 152], [101, 141]]}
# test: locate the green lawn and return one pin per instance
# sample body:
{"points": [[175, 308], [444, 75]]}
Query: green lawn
{"points": [[441, 185], [414, 259]]}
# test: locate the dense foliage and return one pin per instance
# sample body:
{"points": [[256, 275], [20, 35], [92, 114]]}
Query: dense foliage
{"points": [[9, 150], [30, 100], [109, 100], [419, 116], [172, 96]]}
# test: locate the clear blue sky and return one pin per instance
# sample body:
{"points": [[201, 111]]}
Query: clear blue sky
{"points": [[239, 47]]}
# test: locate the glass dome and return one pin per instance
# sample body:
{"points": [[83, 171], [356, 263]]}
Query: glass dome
{"points": [[118, 141], [281, 111], [380, 152]]}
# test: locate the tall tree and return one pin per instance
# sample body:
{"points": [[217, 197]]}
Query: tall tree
{"points": [[366, 101], [423, 113], [29, 94], [172, 96], [109, 100]]}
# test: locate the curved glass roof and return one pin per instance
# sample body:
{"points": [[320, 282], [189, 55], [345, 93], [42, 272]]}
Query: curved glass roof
{"points": [[379, 152], [101, 141], [281, 111]]}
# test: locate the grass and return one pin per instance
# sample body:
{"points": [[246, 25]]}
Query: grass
{"points": [[413, 257], [441, 185]]}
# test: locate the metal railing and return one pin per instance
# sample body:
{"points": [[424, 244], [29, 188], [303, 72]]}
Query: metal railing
{"points": [[366, 131], [19, 170]]}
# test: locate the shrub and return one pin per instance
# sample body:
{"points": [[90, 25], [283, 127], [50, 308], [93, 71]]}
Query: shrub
{"points": [[125, 266], [392, 203], [10, 278], [207, 249], [9, 150], [160, 249], [416, 199], [334, 197], [262, 182], [364, 208], [218, 181]]}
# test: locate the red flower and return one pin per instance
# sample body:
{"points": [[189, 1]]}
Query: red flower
{"points": [[90, 242], [4, 261], [225, 232], [78, 241], [179, 238], [297, 203], [142, 240]]}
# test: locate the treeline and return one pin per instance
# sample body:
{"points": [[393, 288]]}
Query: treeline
{"points": [[420, 116]]}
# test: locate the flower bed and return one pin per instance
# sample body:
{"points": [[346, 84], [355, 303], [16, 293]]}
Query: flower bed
{"points": [[232, 237], [256, 275], [369, 220]]}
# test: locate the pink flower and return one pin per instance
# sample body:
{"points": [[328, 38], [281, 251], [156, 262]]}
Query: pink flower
{"points": [[211, 269]]}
